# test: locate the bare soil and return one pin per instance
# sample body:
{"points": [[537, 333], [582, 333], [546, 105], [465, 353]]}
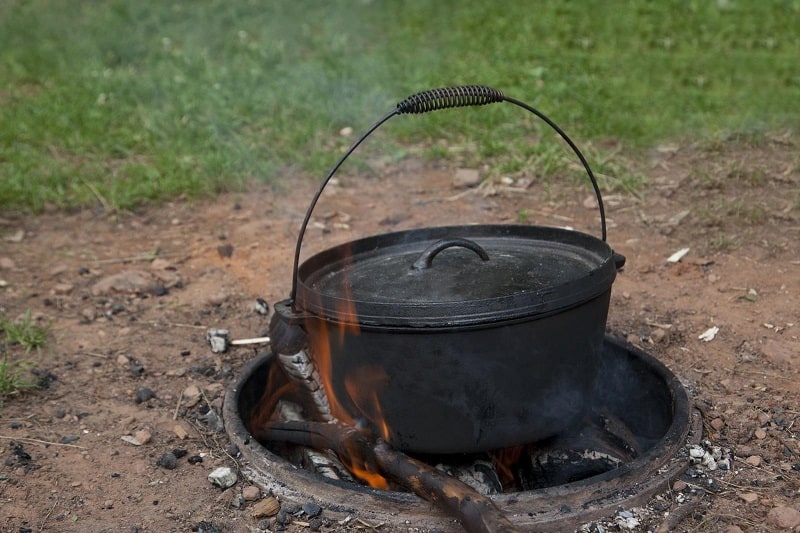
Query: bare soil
{"points": [[735, 205]]}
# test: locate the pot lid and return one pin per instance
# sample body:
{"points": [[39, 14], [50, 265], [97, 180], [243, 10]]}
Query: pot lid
{"points": [[458, 275]]}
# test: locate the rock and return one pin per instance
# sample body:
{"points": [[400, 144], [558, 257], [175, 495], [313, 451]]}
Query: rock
{"points": [[658, 335], [123, 360], [6, 263], [783, 517], [717, 424], [63, 288], [161, 264], [191, 395], [251, 493], [168, 461], [749, 497], [465, 178], [261, 306], [218, 339], [223, 477], [312, 509], [266, 508], [127, 281], [143, 394], [590, 202], [225, 251], [760, 434], [17, 236], [733, 529], [679, 485], [88, 314], [180, 431], [143, 436], [778, 353], [754, 460]]}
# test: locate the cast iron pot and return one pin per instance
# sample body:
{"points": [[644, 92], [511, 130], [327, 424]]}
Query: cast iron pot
{"points": [[456, 339]]}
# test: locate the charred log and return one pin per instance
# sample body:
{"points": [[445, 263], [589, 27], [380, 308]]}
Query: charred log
{"points": [[360, 451]]}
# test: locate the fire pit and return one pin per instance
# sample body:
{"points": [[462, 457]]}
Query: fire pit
{"points": [[627, 449]]}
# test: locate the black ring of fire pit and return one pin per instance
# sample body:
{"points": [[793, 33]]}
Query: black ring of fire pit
{"points": [[663, 422]]}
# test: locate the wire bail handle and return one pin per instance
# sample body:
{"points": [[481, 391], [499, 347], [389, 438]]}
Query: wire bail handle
{"points": [[433, 100]]}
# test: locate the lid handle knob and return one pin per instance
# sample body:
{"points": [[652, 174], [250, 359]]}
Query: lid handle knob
{"points": [[425, 259]]}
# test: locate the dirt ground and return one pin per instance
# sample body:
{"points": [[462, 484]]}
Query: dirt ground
{"points": [[189, 266]]}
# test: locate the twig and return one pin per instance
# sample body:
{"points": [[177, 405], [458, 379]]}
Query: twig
{"points": [[44, 520], [177, 407], [175, 325], [677, 516], [255, 340], [97, 194], [43, 442]]}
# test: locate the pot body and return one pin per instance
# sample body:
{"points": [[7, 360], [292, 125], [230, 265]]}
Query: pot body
{"points": [[466, 389]]}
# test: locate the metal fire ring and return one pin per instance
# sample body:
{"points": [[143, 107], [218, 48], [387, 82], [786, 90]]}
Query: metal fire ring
{"points": [[555, 508]]}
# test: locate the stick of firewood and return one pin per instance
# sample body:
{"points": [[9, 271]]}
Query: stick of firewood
{"points": [[356, 449]]}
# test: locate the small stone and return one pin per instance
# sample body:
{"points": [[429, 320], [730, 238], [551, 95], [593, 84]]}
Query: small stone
{"points": [[168, 461], [127, 281], [89, 314], [778, 352], [312, 509], [179, 452], [749, 497], [223, 477], [195, 459], [315, 524], [718, 424], [754, 460], [108, 504], [63, 288], [143, 394], [218, 339], [17, 236], [225, 251], [180, 431], [251, 493], [238, 502], [347, 131], [266, 508], [261, 306], [143, 436], [123, 360], [783, 517], [465, 178], [160, 264], [590, 202], [191, 395], [679, 486], [658, 335], [761, 434], [6, 263]]}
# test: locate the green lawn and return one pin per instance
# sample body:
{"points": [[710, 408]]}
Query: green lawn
{"points": [[122, 102]]}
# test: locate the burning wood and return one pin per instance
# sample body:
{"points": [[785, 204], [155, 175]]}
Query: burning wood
{"points": [[318, 462], [300, 368], [476, 512]]}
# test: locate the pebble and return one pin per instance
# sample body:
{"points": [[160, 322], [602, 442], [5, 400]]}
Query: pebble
{"points": [[733, 529], [679, 486], [312, 509], [783, 517], [761, 434], [195, 459], [127, 281], [261, 306], [223, 477], [180, 431], [266, 508], [465, 178], [777, 352], [251, 493], [225, 251], [718, 424], [143, 394], [143, 436], [168, 461], [6, 263], [753, 460], [749, 497], [63, 288]]}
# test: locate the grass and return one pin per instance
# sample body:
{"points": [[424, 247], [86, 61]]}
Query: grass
{"points": [[116, 102], [28, 335]]}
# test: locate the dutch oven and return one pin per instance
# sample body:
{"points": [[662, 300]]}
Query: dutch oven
{"points": [[456, 339]]}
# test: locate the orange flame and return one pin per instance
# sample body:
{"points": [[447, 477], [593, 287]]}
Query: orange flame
{"points": [[504, 461], [362, 386]]}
